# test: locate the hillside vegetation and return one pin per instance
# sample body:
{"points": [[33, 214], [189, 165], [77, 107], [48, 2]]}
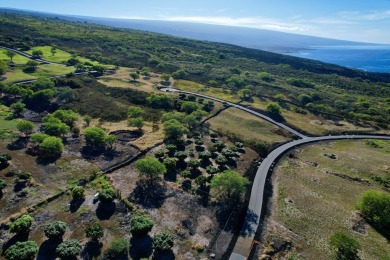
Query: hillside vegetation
{"points": [[313, 86]]}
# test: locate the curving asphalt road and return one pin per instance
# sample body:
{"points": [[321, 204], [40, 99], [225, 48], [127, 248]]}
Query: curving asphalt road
{"points": [[243, 245]]}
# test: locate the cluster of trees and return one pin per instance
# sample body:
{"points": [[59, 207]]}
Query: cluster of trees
{"points": [[136, 117]]}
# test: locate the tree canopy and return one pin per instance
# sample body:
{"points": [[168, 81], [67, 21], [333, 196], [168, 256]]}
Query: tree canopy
{"points": [[69, 249], [22, 225], [141, 225], [375, 207], [55, 230], [25, 126], [150, 167], [346, 247], [228, 185], [22, 251]]}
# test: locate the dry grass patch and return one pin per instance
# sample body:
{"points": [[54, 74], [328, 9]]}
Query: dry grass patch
{"points": [[247, 126], [313, 205]]}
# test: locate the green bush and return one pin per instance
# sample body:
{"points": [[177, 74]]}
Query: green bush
{"points": [[375, 207], [55, 230], [107, 195], [51, 146], [346, 247], [22, 225], [69, 249], [163, 241], [78, 193], [94, 232], [22, 251], [118, 248], [141, 225]]}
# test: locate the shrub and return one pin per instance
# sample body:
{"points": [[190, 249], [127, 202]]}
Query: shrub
{"points": [[346, 247], [78, 193], [375, 207], [25, 126], [55, 230], [119, 248], [69, 249], [163, 241], [22, 225], [94, 232], [229, 185], [150, 167], [141, 225], [51, 146], [107, 195], [4, 158], [94, 136], [22, 251], [170, 163]]}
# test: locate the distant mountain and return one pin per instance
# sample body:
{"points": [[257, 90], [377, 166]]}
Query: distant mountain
{"points": [[245, 37]]}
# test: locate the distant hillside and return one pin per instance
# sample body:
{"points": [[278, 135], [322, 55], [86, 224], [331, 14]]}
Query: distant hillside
{"points": [[245, 37]]}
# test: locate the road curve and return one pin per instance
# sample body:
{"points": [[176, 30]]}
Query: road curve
{"points": [[293, 131], [244, 242]]}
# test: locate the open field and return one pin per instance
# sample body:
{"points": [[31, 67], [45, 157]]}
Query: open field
{"points": [[315, 196], [247, 127], [122, 79], [17, 59], [45, 70]]}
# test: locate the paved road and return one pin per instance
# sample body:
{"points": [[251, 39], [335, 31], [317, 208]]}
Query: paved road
{"points": [[24, 54], [243, 245], [293, 131]]}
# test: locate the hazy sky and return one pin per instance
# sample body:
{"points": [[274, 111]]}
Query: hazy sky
{"points": [[359, 20]]}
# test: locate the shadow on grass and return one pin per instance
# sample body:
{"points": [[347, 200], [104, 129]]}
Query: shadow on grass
{"points": [[92, 250], [12, 241], [75, 205], [18, 144], [46, 160], [105, 210], [141, 247], [149, 194], [47, 251], [163, 255]]}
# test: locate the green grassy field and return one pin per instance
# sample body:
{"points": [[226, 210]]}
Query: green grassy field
{"points": [[17, 59], [46, 70], [61, 56], [313, 204]]}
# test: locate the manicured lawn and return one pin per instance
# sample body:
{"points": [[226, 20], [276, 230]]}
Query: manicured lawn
{"points": [[60, 55], [46, 70], [17, 59]]}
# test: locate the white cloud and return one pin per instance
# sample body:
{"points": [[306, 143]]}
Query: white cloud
{"points": [[366, 16], [251, 22]]}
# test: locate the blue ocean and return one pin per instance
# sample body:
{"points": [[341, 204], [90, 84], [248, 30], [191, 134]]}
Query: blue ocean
{"points": [[374, 58]]}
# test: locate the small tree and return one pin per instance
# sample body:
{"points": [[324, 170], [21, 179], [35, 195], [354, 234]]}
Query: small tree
{"points": [[346, 247], [69, 249], [134, 112], [24, 126], [66, 116], [169, 163], [4, 160], [134, 76], [107, 195], [94, 232], [118, 249], [141, 225], [22, 251], [375, 207], [37, 53], [22, 225], [51, 146], [137, 122], [53, 51], [18, 108], [110, 140], [94, 136], [174, 129], [273, 109], [32, 64], [55, 230], [163, 241], [150, 168], [229, 185], [10, 54], [165, 77], [194, 164], [78, 193]]}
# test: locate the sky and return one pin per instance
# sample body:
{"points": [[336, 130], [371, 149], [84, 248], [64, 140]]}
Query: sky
{"points": [[356, 20]]}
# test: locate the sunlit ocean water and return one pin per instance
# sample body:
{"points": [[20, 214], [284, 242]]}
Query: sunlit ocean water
{"points": [[375, 58]]}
